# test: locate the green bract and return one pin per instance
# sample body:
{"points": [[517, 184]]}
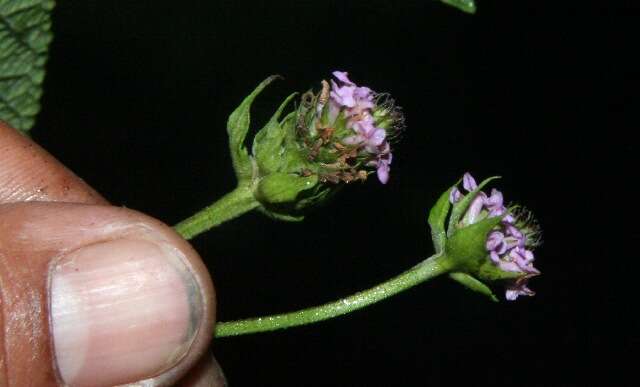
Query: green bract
{"points": [[277, 171]]}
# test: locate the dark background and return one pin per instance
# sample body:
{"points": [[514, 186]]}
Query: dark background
{"points": [[136, 100]]}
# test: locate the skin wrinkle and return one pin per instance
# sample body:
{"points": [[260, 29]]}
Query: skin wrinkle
{"points": [[12, 187], [29, 173], [108, 231]]}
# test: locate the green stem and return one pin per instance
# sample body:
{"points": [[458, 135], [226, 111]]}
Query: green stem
{"points": [[425, 270], [230, 206]]}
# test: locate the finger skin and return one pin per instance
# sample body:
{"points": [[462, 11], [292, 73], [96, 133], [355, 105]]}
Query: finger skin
{"points": [[32, 237], [29, 173]]}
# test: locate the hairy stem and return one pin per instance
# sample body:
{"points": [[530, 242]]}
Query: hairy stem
{"points": [[231, 205], [424, 271]]}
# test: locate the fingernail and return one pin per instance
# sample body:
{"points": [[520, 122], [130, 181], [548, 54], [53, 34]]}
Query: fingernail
{"points": [[121, 311]]}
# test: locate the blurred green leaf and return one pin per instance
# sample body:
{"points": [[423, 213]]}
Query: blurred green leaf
{"points": [[25, 34], [468, 6]]}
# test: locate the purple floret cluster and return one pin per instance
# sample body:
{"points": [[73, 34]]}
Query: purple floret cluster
{"points": [[509, 244], [357, 104]]}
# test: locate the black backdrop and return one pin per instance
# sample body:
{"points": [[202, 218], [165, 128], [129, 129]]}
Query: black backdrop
{"points": [[136, 100]]}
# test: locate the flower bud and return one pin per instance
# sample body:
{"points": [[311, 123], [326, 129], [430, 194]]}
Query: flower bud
{"points": [[486, 240], [336, 136]]}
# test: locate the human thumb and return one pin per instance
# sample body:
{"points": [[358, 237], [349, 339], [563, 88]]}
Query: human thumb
{"points": [[94, 295]]}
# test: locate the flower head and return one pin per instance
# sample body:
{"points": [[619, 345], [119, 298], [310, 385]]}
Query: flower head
{"points": [[349, 130], [510, 243], [338, 135]]}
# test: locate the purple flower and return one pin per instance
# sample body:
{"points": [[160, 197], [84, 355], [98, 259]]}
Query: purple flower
{"points": [[509, 244], [357, 100], [346, 130], [367, 122], [468, 182], [363, 105], [455, 195], [343, 95], [475, 210], [383, 167], [494, 203], [367, 135], [496, 242], [342, 76], [495, 200], [518, 288]]}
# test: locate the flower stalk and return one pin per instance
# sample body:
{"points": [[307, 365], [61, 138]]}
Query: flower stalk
{"points": [[422, 272], [231, 205], [485, 242]]}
